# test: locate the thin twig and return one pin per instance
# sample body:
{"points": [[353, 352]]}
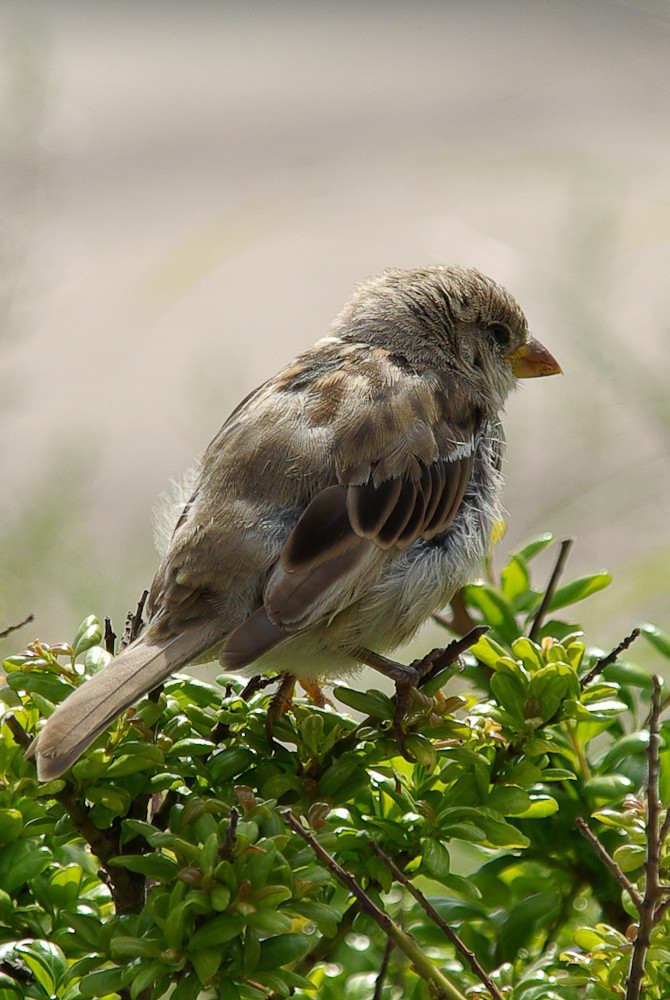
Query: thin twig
{"points": [[661, 910], [460, 622], [134, 622], [665, 828], [8, 629], [651, 865], [609, 862], [379, 984], [566, 545], [457, 942], [256, 683], [443, 988], [17, 730], [227, 848], [109, 637], [607, 661], [444, 657]]}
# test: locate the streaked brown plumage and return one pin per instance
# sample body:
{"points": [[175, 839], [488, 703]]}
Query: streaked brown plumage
{"points": [[340, 504]]}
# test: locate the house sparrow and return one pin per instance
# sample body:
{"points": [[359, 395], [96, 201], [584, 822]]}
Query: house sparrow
{"points": [[341, 503]]}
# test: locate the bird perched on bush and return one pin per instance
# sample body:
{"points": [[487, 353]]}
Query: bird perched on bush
{"points": [[340, 504]]}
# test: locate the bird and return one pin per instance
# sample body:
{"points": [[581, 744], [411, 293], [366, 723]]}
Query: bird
{"points": [[342, 502]]}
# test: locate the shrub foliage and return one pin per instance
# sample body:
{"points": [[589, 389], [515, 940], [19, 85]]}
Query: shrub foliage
{"points": [[522, 853]]}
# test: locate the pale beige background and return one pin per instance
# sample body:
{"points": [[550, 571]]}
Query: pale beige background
{"points": [[188, 192]]}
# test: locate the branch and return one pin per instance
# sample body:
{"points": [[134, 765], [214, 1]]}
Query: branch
{"points": [[379, 984], [443, 988], [607, 661], [648, 911], [8, 629], [461, 621], [128, 888], [227, 848], [458, 944], [134, 622], [566, 545], [609, 862], [440, 658], [109, 637], [17, 731]]}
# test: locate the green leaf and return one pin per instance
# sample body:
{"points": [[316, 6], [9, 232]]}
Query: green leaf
{"points": [[64, 886], [283, 949], [532, 548], [578, 589], [46, 961], [608, 787], [156, 866], [102, 982], [96, 658], [630, 857], [422, 749], [88, 634], [133, 756], [498, 833], [11, 825], [488, 651], [217, 931], [541, 806], [150, 974], [496, 610], [190, 747], [326, 917], [372, 703], [514, 580], [628, 746], [133, 947], [228, 763], [20, 862], [188, 988], [338, 774], [509, 801], [88, 930], [114, 798], [269, 922], [435, 858], [659, 640], [206, 963], [529, 653]]}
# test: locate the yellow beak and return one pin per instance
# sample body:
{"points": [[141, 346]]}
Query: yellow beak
{"points": [[532, 359]]}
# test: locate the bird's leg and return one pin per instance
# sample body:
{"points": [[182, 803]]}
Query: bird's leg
{"points": [[314, 692], [278, 703], [281, 698], [410, 676]]}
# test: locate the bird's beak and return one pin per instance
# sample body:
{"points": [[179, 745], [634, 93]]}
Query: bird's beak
{"points": [[532, 359]]}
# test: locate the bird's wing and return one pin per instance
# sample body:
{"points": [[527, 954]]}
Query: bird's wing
{"points": [[402, 453]]}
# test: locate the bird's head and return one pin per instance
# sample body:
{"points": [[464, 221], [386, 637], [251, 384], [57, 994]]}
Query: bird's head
{"points": [[453, 317]]}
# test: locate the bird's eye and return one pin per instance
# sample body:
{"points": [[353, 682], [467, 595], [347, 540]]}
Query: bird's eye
{"points": [[500, 335]]}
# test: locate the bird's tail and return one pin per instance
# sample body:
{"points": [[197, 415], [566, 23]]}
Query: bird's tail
{"points": [[92, 707]]}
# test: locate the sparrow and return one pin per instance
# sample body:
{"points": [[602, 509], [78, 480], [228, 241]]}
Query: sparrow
{"points": [[342, 502]]}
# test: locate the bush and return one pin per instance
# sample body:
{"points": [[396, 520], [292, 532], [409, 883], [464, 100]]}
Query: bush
{"points": [[186, 851]]}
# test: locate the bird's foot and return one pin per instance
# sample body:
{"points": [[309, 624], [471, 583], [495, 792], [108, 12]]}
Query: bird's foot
{"points": [[409, 677], [279, 702], [281, 699], [314, 692]]}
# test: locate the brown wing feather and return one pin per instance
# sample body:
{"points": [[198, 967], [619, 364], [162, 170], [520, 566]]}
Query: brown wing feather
{"points": [[256, 636], [456, 478], [291, 596], [323, 531], [369, 506], [414, 463]]}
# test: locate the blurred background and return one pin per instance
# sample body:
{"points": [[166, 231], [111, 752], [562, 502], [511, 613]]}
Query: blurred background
{"points": [[189, 191]]}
